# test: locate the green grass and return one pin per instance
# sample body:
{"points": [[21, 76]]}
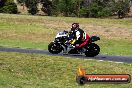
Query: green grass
{"points": [[22, 44], [37, 32], [42, 71], [115, 47]]}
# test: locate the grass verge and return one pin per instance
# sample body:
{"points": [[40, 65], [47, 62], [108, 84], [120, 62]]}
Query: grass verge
{"points": [[42, 71], [22, 44], [115, 47]]}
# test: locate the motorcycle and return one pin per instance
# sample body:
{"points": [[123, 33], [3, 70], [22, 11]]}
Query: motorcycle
{"points": [[61, 43]]}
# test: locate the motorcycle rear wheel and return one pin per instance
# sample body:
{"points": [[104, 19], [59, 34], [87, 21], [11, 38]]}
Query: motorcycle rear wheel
{"points": [[92, 50]]}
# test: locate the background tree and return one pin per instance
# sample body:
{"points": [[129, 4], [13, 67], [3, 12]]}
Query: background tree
{"points": [[103, 8], [123, 8], [31, 5], [66, 7], [22, 2], [78, 8], [46, 6], [8, 6], [2, 3]]}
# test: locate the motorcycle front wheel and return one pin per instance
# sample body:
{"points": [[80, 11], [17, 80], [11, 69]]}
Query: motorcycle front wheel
{"points": [[54, 48]]}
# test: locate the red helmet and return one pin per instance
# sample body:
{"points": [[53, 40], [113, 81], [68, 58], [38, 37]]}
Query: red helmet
{"points": [[75, 26]]}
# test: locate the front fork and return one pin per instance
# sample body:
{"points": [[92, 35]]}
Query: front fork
{"points": [[64, 48]]}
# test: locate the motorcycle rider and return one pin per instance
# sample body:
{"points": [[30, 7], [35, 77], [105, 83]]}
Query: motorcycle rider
{"points": [[79, 37]]}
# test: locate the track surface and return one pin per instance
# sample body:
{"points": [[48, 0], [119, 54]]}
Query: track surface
{"points": [[118, 59]]}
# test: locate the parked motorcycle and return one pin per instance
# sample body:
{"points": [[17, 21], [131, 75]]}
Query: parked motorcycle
{"points": [[61, 43]]}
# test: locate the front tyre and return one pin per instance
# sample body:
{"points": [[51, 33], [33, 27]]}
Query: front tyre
{"points": [[54, 48], [92, 50]]}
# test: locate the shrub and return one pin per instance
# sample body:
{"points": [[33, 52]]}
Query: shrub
{"points": [[8, 6], [33, 9]]}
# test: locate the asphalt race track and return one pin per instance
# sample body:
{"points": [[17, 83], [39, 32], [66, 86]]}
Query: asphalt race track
{"points": [[118, 59]]}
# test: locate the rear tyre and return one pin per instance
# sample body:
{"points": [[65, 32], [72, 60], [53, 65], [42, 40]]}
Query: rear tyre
{"points": [[92, 50], [54, 48]]}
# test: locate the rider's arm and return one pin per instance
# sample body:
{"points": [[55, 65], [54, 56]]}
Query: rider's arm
{"points": [[77, 37]]}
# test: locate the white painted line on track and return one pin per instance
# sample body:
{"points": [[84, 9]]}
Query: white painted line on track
{"points": [[89, 59], [100, 60], [119, 62], [110, 61]]}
